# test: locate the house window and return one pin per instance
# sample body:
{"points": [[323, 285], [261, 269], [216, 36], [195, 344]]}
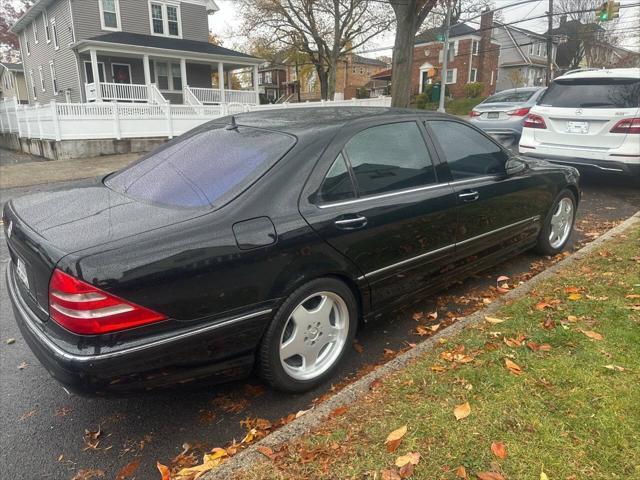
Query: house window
{"points": [[176, 76], [88, 71], [42, 86], [268, 77], [474, 47], [165, 19], [54, 78], [541, 49], [473, 75], [45, 21], [451, 76], [162, 77], [110, 14], [54, 33], [532, 48], [26, 44], [35, 31], [33, 85]]}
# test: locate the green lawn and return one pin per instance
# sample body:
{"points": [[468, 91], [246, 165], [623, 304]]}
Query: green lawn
{"points": [[573, 412], [459, 106]]}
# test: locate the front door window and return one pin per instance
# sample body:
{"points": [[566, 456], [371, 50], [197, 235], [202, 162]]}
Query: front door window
{"points": [[121, 73]]}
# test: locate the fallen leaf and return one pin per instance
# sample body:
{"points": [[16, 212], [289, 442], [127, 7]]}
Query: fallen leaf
{"points": [[413, 458], [543, 476], [513, 367], [266, 451], [502, 278], [394, 438], [338, 411], [593, 335], [534, 347], [438, 368], [462, 411], [418, 316], [493, 320], [92, 439], [88, 474], [357, 347], [542, 306], [406, 470], [632, 295], [499, 450], [390, 474], [433, 315], [209, 461], [549, 324], [23, 365], [574, 296], [489, 476], [128, 470], [10, 341], [422, 331], [461, 472], [616, 368], [572, 290], [164, 471]]}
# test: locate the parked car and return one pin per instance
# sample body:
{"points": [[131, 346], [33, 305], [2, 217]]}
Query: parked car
{"points": [[502, 115], [588, 119], [264, 239]]}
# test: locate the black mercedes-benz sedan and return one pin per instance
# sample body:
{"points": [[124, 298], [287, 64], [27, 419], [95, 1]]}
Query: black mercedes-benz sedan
{"points": [[264, 241]]}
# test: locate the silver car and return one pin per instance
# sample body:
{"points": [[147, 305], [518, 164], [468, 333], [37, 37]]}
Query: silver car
{"points": [[502, 115]]}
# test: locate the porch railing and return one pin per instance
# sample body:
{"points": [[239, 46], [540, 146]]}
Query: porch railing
{"points": [[213, 95], [124, 92]]}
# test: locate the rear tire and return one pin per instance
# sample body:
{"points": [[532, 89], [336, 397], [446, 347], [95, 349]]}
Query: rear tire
{"points": [[558, 225], [309, 336]]}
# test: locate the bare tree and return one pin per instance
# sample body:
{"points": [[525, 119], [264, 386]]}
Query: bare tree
{"points": [[460, 10], [10, 12], [324, 30], [410, 15]]}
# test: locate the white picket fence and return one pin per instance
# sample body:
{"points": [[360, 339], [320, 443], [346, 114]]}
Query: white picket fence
{"points": [[80, 121]]}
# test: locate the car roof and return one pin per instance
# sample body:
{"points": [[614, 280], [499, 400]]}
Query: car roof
{"points": [[522, 89], [608, 73], [302, 119]]}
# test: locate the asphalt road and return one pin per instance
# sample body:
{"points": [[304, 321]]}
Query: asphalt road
{"points": [[42, 427]]}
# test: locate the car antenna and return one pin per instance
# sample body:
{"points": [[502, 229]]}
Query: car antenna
{"points": [[233, 125]]}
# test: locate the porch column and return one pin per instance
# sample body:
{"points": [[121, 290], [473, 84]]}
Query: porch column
{"points": [[221, 81], [183, 73], [96, 74], [147, 70], [255, 84]]}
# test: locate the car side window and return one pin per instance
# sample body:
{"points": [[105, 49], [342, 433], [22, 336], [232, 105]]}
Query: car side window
{"points": [[388, 158], [468, 152], [337, 184]]}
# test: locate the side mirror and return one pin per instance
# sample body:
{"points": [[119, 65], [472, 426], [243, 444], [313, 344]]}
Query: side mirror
{"points": [[514, 167]]}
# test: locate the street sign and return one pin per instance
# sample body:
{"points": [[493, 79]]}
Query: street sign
{"points": [[440, 37]]}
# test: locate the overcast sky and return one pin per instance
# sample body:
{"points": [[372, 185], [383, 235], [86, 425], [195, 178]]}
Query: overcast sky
{"points": [[225, 23]]}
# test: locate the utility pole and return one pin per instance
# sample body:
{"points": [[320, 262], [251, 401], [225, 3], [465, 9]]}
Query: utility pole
{"points": [[549, 75], [445, 58]]}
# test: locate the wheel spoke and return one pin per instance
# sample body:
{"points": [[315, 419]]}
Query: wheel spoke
{"points": [[294, 344], [322, 313], [302, 316]]}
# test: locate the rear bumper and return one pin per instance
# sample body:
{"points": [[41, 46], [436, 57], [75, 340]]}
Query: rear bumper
{"points": [[184, 357], [589, 163]]}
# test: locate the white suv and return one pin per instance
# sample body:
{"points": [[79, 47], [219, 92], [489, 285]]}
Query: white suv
{"points": [[588, 118]]}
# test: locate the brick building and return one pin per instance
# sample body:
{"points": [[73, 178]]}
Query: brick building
{"points": [[473, 57]]}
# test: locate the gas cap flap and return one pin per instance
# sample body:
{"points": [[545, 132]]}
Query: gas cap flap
{"points": [[254, 233]]}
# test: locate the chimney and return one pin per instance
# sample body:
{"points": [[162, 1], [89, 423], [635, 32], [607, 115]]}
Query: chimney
{"points": [[486, 28]]}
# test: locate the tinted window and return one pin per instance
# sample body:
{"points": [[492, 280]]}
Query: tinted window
{"points": [[468, 152], [515, 96], [593, 93], [390, 157], [337, 184], [200, 168]]}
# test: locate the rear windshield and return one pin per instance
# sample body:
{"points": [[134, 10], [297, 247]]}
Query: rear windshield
{"points": [[593, 93], [203, 167], [516, 96]]}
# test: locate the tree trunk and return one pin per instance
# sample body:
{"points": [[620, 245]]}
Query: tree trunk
{"points": [[331, 80], [403, 55], [324, 82]]}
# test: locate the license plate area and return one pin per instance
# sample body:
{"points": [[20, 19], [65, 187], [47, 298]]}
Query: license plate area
{"points": [[493, 115], [581, 128], [21, 272]]}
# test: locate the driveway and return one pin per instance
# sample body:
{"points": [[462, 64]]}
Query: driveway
{"points": [[43, 429]]}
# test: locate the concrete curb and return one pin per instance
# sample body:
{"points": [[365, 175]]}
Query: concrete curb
{"points": [[352, 392]]}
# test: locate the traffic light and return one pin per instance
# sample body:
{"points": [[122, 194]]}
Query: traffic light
{"points": [[602, 14], [613, 10]]}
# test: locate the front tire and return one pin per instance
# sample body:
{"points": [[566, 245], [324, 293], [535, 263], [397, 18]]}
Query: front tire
{"points": [[309, 336], [558, 226]]}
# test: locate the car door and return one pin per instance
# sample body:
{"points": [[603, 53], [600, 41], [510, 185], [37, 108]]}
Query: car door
{"points": [[493, 208], [377, 199]]}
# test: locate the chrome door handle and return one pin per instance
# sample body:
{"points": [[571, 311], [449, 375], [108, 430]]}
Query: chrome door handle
{"points": [[355, 222], [471, 196]]}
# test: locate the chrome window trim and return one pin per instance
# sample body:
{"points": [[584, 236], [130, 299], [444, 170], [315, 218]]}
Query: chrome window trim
{"points": [[383, 195], [28, 321], [475, 179], [533, 219]]}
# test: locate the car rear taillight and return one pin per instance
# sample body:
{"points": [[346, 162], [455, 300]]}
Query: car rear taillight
{"points": [[473, 113], [628, 125], [534, 121], [87, 310], [518, 112]]}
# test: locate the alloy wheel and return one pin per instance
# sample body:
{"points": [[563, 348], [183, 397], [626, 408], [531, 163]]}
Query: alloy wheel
{"points": [[561, 223]]}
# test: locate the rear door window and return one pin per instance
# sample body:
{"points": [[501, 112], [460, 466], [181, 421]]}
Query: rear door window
{"points": [[389, 158], [202, 168], [337, 185], [468, 153], [593, 93]]}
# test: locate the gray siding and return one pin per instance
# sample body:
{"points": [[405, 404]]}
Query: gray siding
{"points": [[137, 70], [42, 53], [134, 18]]}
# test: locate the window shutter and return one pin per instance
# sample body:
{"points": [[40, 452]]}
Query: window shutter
{"points": [[455, 75]]}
